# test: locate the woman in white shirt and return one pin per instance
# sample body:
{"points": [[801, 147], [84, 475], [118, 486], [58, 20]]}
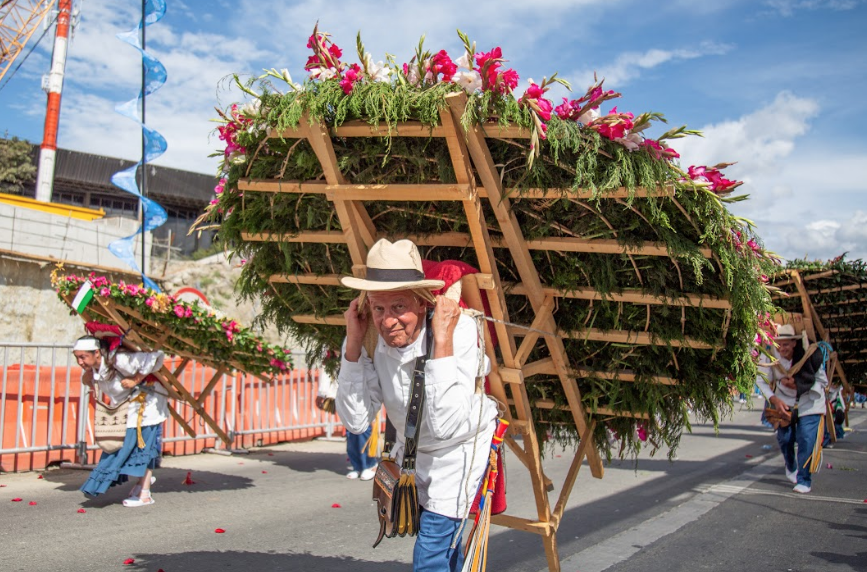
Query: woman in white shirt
{"points": [[120, 375]]}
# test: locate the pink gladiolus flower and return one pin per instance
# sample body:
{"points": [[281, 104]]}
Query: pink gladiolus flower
{"points": [[150, 302], [180, 312], [533, 92], [642, 433], [441, 63], [510, 79], [105, 292], [545, 108], [660, 150]]}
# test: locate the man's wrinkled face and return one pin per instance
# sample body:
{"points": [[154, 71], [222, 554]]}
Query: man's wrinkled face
{"points": [[87, 359], [397, 316], [787, 348]]}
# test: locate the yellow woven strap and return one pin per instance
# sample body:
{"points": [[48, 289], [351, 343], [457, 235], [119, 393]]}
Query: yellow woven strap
{"points": [[816, 457], [140, 398], [372, 444]]}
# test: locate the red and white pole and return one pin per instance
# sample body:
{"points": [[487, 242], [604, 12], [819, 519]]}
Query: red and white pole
{"points": [[48, 149]]}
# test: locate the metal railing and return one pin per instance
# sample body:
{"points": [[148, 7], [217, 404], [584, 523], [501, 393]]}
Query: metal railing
{"points": [[46, 412]]}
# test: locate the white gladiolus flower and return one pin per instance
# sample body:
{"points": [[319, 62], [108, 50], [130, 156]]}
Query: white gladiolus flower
{"points": [[589, 116], [632, 141], [412, 76], [469, 80], [251, 109], [286, 77], [464, 61], [378, 71]]}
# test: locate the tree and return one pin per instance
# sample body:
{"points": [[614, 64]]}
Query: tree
{"points": [[16, 165]]}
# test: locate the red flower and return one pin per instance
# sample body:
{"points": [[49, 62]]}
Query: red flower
{"points": [[441, 63], [81, 511], [129, 561], [336, 505]]}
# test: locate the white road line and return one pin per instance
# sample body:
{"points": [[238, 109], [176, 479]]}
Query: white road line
{"points": [[624, 545]]}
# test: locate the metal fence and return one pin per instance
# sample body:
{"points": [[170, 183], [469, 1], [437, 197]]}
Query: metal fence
{"points": [[46, 412]]}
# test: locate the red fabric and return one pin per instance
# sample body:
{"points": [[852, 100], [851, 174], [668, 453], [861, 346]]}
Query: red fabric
{"points": [[450, 271], [110, 332]]}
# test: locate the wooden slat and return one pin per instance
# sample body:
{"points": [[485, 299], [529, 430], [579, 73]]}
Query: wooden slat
{"points": [[604, 246], [572, 475], [637, 338], [816, 276], [631, 296], [400, 193], [210, 386], [333, 320], [325, 279], [314, 236], [534, 526], [402, 129], [847, 288], [532, 335], [549, 404], [546, 367], [320, 187]]}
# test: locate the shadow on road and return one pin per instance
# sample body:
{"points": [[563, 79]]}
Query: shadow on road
{"points": [[259, 562]]}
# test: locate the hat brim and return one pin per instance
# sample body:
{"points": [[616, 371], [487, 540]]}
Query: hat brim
{"points": [[374, 286], [794, 337]]}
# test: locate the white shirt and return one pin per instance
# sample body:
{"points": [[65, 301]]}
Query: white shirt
{"points": [[812, 402], [127, 364], [455, 420]]}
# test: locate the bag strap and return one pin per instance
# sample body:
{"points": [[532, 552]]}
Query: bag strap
{"points": [[416, 400]]}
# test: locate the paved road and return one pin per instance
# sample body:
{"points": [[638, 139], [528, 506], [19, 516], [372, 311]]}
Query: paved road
{"points": [[723, 506]]}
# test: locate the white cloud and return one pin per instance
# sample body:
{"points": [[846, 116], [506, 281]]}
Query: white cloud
{"points": [[629, 65], [802, 192]]}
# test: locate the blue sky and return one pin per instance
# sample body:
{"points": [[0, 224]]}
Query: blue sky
{"points": [[776, 85]]}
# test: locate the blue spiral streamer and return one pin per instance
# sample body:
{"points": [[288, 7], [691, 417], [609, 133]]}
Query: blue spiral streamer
{"points": [[154, 143]]}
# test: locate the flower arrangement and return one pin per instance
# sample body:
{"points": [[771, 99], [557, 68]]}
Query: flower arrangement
{"points": [[574, 146], [838, 293], [195, 330]]}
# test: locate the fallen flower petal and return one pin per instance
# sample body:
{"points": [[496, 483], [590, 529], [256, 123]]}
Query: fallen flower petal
{"points": [[17, 500], [264, 472], [40, 477], [337, 505], [830, 466], [219, 530], [129, 561], [32, 503], [749, 456], [1, 486], [81, 511], [189, 479]]}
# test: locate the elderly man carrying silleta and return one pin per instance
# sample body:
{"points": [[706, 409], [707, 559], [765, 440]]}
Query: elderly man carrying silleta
{"points": [[795, 387], [456, 423]]}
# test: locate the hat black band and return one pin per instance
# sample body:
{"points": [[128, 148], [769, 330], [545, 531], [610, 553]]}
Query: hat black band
{"points": [[399, 275]]}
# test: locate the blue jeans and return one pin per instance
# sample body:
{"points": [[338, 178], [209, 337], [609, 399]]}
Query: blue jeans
{"points": [[433, 552], [354, 445], [804, 434]]}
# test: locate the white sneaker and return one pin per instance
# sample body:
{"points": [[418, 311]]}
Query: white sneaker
{"points": [[368, 474], [793, 476], [352, 475], [803, 489]]}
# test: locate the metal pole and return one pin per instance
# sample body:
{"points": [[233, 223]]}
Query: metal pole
{"points": [[144, 175]]}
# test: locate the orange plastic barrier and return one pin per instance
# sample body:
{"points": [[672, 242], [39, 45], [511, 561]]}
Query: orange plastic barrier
{"points": [[241, 404]]}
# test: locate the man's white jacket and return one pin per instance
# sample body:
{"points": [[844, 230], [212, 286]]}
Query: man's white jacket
{"points": [[457, 425]]}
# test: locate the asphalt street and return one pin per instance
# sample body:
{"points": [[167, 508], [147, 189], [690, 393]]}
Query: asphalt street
{"points": [[723, 505]]}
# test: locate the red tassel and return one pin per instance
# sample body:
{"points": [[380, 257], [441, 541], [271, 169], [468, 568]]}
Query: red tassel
{"points": [[189, 480]]}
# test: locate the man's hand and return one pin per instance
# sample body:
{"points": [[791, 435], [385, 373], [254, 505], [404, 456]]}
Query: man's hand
{"points": [[445, 320], [320, 400], [780, 406], [356, 327], [788, 382]]}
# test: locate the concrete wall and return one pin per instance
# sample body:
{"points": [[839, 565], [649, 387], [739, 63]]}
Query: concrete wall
{"points": [[30, 310], [43, 234]]}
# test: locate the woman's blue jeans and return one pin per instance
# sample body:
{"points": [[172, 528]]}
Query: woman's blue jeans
{"points": [[433, 551], [358, 458]]}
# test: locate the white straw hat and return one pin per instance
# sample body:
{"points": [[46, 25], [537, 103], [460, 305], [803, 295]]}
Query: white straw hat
{"points": [[392, 266], [786, 332]]}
